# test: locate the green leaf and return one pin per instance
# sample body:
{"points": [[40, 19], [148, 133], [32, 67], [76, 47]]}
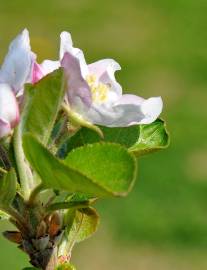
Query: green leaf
{"points": [[109, 165], [43, 101], [97, 170], [140, 139], [126, 136], [7, 189], [86, 223], [152, 137], [81, 224]]}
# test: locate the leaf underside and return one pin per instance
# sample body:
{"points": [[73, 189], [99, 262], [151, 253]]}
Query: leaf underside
{"points": [[42, 103]]}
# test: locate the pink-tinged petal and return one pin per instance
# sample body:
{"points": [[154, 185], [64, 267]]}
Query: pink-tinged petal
{"points": [[41, 70], [66, 45], [37, 73], [5, 128], [78, 89], [9, 110], [104, 70], [17, 67], [127, 111]]}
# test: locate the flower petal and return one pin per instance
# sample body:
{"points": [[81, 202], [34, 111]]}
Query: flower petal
{"points": [[101, 66], [17, 67], [41, 70], [37, 72], [78, 90], [49, 66], [104, 71], [9, 111], [151, 108], [5, 128], [131, 99], [137, 110], [129, 110], [66, 45]]}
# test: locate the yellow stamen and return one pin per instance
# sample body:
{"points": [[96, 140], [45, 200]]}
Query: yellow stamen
{"points": [[99, 90]]}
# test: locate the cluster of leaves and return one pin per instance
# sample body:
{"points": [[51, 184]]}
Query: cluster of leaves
{"points": [[89, 164], [81, 165]]}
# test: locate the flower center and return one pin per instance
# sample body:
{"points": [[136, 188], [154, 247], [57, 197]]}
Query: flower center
{"points": [[99, 90]]}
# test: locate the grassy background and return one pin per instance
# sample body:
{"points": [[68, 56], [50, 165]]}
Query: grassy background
{"points": [[161, 46]]}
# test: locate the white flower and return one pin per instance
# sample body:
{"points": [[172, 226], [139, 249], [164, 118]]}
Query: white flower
{"points": [[94, 95], [94, 92], [15, 71]]}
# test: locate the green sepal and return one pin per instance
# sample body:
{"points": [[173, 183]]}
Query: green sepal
{"points": [[77, 120]]}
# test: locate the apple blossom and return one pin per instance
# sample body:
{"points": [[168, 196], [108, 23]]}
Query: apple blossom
{"points": [[41, 156], [15, 71], [93, 92]]}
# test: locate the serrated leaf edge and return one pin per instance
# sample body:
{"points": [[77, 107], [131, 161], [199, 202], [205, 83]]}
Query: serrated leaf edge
{"points": [[109, 192]]}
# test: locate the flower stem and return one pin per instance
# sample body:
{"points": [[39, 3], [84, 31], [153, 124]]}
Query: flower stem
{"points": [[20, 161]]}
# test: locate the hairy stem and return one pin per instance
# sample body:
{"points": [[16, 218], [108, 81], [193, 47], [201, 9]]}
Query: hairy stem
{"points": [[21, 164]]}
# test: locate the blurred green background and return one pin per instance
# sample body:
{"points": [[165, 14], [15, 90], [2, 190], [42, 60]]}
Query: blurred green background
{"points": [[162, 48]]}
